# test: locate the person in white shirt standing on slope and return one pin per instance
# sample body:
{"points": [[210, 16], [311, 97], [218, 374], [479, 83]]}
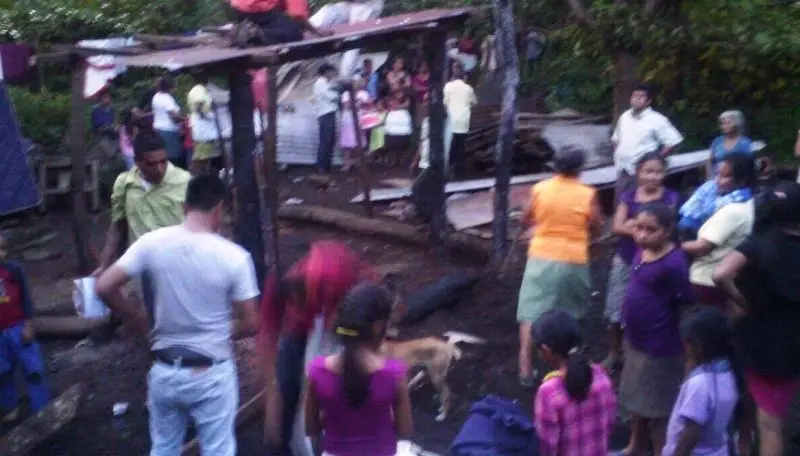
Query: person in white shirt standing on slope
{"points": [[459, 98], [639, 131], [326, 100], [205, 295]]}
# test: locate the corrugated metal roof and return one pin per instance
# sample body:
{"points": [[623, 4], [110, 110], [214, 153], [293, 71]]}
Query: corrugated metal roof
{"points": [[344, 35]]}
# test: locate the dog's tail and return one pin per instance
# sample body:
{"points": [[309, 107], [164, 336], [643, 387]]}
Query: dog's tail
{"points": [[455, 337]]}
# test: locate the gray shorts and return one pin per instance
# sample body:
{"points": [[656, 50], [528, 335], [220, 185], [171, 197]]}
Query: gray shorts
{"points": [[624, 182]]}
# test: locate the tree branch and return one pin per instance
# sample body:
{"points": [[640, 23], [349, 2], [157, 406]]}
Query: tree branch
{"points": [[579, 11]]}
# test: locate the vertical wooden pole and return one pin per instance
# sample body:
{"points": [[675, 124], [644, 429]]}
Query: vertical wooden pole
{"points": [[361, 148], [270, 168], [247, 227], [436, 62], [77, 143], [507, 57]]}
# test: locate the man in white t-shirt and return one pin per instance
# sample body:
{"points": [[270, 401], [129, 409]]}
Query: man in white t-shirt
{"points": [[203, 123], [205, 294], [167, 121], [459, 98], [326, 102], [640, 130]]}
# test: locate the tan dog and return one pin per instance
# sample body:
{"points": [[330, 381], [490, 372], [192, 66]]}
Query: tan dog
{"points": [[435, 356]]}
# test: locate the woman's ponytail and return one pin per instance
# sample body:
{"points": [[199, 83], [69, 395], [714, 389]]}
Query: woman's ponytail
{"points": [[578, 379]]}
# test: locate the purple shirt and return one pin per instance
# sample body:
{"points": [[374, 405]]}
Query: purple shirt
{"points": [[368, 430], [708, 397], [652, 303], [626, 247]]}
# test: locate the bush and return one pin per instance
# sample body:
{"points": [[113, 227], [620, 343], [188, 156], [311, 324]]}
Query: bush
{"points": [[43, 117]]}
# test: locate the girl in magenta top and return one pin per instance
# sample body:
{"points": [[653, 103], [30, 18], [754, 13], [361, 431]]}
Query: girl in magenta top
{"points": [[357, 400]]}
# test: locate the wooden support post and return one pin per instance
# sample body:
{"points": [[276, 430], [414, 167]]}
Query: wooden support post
{"points": [[77, 144], [361, 150], [507, 53], [436, 61], [247, 227], [270, 168]]}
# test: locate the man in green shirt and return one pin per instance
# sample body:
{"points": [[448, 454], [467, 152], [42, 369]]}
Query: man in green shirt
{"points": [[147, 197]]}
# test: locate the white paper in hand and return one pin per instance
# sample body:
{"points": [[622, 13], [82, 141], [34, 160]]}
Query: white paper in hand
{"points": [[87, 304]]}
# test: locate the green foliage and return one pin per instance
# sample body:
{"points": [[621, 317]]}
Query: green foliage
{"points": [[44, 117]]}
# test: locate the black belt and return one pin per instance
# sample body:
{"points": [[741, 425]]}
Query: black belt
{"points": [[183, 358]]}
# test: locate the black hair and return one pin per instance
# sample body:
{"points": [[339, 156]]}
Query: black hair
{"points": [[743, 169], [127, 121], [709, 332], [649, 157], [662, 212], [364, 305], [561, 333], [569, 160], [647, 88], [201, 77], [780, 206], [165, 84], [205, 192], [324, 68], [146, 142], [367, 60]]}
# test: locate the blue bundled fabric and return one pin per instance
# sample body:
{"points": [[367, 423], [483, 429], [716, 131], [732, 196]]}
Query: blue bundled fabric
{"points": [[496, 427]]}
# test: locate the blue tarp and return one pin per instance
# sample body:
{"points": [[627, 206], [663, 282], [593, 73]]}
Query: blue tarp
{"points": [[18, 189]]}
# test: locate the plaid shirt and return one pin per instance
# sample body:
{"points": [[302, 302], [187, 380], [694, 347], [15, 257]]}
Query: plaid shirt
{"points": [[569, 428]]}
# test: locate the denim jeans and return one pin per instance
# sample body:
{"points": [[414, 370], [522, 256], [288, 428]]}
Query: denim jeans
{"points": [[208, 396], [14, 352], [327, 141], [290, 370]]}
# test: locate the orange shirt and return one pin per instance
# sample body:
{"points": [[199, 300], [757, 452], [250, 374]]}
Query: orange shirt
{"points": [[562, 210], [294, 8]]}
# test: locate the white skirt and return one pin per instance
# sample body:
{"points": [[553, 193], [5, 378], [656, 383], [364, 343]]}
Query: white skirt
{"points": [[398, 123]]}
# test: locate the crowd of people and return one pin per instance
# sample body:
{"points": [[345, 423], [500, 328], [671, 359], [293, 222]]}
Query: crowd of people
{"points": [[698, 302]]}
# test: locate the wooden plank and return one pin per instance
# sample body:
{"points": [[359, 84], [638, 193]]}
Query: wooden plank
{"points": [[507, 53], [270, 168], [32, 432], [476, 209], [599, 177], [247, 412]]}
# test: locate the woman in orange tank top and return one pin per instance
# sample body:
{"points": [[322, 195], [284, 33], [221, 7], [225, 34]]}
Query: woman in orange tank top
{"points": [[563, 212]]}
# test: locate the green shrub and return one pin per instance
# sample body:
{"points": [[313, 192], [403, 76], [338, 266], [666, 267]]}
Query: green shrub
{"points": [[43, 117]]}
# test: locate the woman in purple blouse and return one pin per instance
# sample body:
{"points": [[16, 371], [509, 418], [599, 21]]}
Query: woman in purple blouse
{"points": [[650, 172], [654, 366]]}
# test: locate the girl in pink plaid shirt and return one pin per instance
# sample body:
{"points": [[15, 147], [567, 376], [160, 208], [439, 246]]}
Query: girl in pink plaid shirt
{"points": [[575, 408]]}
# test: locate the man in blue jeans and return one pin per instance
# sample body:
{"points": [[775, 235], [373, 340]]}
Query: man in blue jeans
{"points": [[205, 292], [17, 343], [326, 102]]}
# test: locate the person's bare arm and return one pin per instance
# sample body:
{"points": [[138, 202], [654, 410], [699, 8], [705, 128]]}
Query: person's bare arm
{"points": [[724, 276], [245, 320], [688, 438], [526, 220], [620, 224], [312, 416], [797, 145], [666, 150], [596, 218], [698, 248], [108, 287], [402, 411], [115, 237]]}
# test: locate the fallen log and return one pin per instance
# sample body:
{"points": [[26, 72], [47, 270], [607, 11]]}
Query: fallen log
{"points": [[388, 229], [32, 432], [66, 327], [251, 410]]}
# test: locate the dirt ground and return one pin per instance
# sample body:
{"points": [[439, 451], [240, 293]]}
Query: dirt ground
{"points": [[114, 372]]}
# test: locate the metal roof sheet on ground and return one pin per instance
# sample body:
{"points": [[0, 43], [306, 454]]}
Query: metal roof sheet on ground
{"points": [[603, 177], [343, 34]]}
